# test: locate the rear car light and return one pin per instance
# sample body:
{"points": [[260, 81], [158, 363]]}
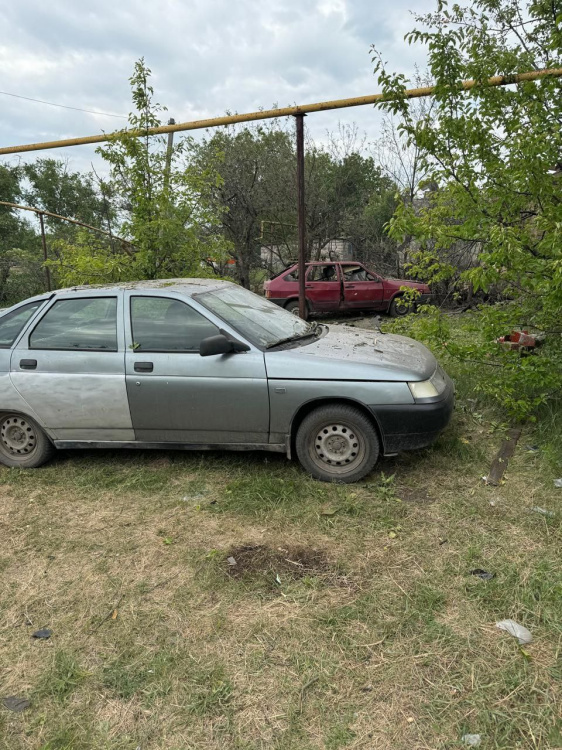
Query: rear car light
{"points": [[268, 294]]}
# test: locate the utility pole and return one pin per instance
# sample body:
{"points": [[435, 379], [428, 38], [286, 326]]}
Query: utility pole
{"points": [[168, 167], [45, 255], [303, 310]]}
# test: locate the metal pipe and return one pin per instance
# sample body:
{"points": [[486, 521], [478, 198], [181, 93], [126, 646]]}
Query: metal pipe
{"points": [[301, 215], [45, 255], [272, 113], [71, 221]]}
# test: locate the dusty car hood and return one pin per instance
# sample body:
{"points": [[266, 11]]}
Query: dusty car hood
{"points": [[348, 354]]}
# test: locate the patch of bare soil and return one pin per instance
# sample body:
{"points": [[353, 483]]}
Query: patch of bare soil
{"points": [[418, 496], [261, 559]]}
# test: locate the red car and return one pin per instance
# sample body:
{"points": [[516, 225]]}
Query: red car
{"points": [[342, 285]]}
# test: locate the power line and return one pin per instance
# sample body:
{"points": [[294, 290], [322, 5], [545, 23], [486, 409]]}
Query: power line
{"points": [[63, 106]]}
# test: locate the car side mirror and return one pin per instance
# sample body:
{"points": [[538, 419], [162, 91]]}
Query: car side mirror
{"points": [[221, 344]]}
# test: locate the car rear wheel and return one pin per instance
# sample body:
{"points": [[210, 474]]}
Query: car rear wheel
{"points": [[399, 306], [337, 444], [22, 442]]}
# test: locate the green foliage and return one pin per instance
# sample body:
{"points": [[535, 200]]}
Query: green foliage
{"points": [[50, 185], [517, 381], [346, 195], [492, 156], [21, 274]]}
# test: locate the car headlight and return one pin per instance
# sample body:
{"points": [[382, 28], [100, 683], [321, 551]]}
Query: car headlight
{"points": [[429, 388], [423, 389]]}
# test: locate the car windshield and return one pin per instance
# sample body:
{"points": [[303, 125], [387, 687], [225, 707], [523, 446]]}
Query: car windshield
{"points": [[260, 321]]}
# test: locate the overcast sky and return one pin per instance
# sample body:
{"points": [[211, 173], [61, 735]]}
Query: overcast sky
{"points": [[207, 57]]}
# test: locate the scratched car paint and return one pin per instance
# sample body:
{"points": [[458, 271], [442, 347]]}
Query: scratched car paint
{"points": [[203, 364]]}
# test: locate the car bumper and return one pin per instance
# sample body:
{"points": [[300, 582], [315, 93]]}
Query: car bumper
{"points": [[423, 299], [412, 426]]}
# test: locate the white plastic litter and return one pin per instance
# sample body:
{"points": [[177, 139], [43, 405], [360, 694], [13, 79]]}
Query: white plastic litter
{"points": [[543, 512], [471, 740], [516, 630], [558, 483]]}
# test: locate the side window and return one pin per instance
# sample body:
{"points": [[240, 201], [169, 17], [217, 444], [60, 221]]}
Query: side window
{"points": [[12, 323], [357, 273], [79, 324], [293, 276], [327, 272], [161, 324]]}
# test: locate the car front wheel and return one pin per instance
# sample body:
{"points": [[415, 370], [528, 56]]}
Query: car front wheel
{"points": [[337, 444], [22, 442]]}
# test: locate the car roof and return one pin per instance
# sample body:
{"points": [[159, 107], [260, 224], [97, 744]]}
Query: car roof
{"points": [[188, 287]]}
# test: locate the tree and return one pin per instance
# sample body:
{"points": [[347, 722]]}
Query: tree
{"points": [[347, 197], [494, 155], [255, 195], [160, 205], [21, 273]]}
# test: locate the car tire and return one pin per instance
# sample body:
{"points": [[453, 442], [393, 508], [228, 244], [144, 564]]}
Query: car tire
{"points": [[337, 443], [293, 307], [22, 442], [399, 307]]}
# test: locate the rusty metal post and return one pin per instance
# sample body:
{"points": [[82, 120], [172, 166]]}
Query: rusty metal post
{"points": [[303, 310], [45, 255], [169, 150]]}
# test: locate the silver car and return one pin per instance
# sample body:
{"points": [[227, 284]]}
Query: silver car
{"points": [[202, 364]]}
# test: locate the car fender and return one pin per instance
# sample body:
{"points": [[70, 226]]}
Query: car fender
{"points": [[12, 401]]}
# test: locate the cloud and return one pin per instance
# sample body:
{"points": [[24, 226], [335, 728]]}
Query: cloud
{"points": [[207, 56]]}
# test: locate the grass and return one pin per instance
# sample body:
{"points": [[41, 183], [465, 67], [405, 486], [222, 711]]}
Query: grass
{"points": [[381, 639]]}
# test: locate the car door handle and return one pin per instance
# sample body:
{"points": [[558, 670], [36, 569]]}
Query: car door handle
{"points": [[350, 286], [308, 286], [144, 366], [28, 364]]}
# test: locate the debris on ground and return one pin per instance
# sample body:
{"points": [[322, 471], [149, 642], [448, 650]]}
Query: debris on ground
{"points": [[499, 464], [292, 562], [483, 574], [471, 740], [15, 704], [516, 630], [195, 498], [520, 341], [532, 448], [42, 634], [558, 483], [543, 511]]}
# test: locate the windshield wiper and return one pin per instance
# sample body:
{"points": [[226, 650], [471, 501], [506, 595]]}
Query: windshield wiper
{"points": [[297, 336]]}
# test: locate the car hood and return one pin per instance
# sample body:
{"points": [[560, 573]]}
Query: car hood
{"points": [[345, 353]]}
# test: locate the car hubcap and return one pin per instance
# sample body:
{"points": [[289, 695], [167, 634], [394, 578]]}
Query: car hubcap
{"points": [[338, 447], [17, 436]]}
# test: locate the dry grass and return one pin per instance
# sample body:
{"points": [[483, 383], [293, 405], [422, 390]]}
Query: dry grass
{"points": [[382, 639]]}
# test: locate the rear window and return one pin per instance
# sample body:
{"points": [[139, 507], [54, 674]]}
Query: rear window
{"points": [[13, 322], [80, 324]]}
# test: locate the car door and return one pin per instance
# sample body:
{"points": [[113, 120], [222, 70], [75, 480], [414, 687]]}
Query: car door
{"points": [[361, 288], [69, 367], [323, 286], [177, 396]]}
